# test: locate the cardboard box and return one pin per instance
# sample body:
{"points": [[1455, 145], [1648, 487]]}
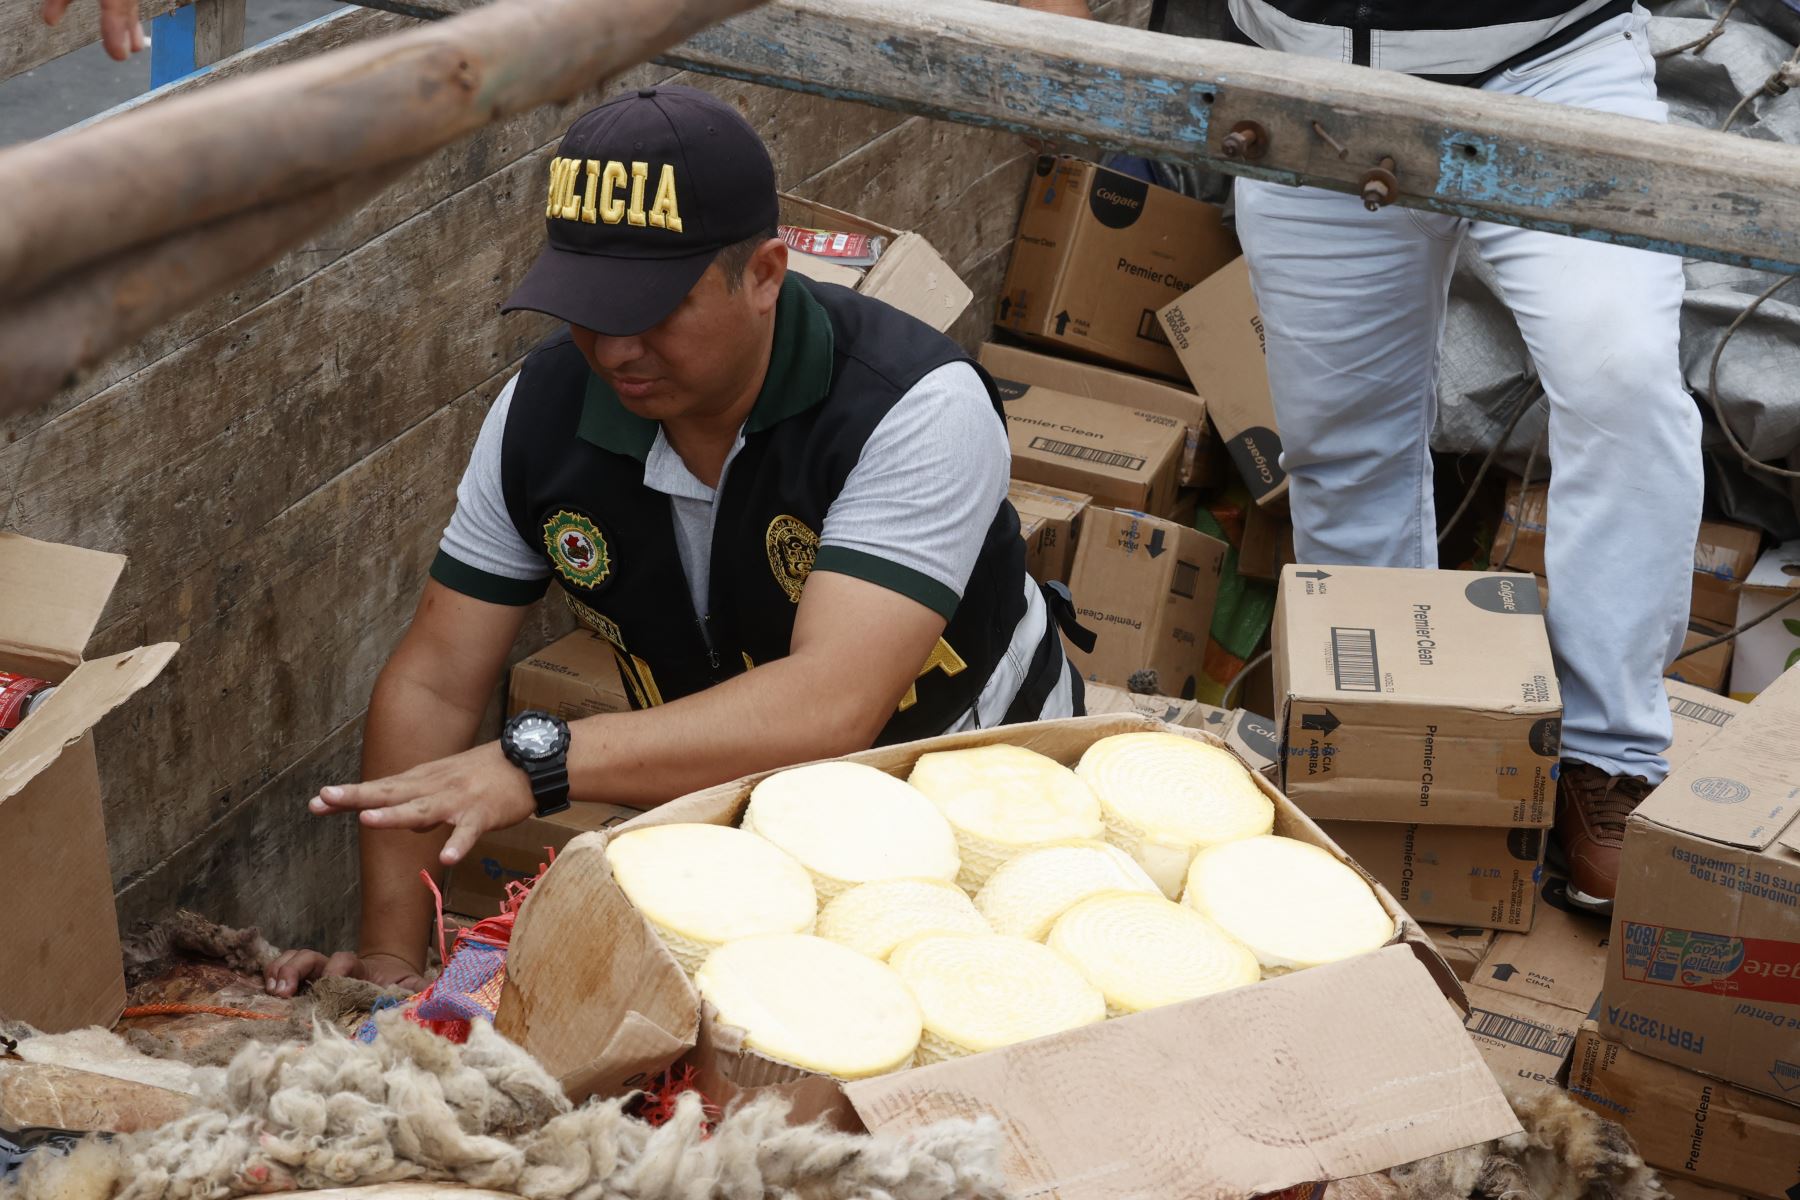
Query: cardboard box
{"points": [[1697, 716], [1710, 669], [909, 275], [1681, 1189], [1691, 1126], [1532, 991], [1462, 946], [1705, 963], [1268, 544], [1461, 875], [1724, 553], [1416, 696], [1250, 736], [1773, 646], [1217, 331], [1146, 588], [573, 677], [1094, 382], [63, 967], [1119, 456], [1050, 522], [1339, 1070], [1097, 254]]}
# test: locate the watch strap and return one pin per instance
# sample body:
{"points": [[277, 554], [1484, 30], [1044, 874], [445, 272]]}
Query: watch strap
{"points": [[550, 785]]}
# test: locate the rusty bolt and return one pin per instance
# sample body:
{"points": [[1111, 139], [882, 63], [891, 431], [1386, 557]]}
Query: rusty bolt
{"points": [[1379, 186], [1247, 140]]}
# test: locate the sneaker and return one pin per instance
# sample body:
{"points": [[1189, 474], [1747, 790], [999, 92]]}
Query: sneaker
{"points": [[1590, 824]]}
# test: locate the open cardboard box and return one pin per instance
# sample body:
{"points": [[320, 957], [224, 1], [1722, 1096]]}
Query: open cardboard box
{"points": [[910, 274], [61, 964], [1341, 1070]]}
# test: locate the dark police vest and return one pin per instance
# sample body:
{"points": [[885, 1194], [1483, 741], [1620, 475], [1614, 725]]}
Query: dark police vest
{"points": [[573, 479]]}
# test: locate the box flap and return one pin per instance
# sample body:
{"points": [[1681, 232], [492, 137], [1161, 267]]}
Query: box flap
{"points": [[1742, 786], [823, 270], [1778, 568], [914, 278], [1337, 1071], [52, 597], [90, 692]]}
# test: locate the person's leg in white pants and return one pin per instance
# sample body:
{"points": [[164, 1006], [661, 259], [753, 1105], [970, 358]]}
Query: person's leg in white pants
{"points": [[1353, 304]]}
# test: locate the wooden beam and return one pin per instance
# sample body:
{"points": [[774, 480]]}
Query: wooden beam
{"points": [[218, 30], [1456, 150]]}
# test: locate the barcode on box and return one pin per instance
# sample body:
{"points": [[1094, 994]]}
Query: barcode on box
{"points": [[1704, 713], [1105, 458], [1516, 1032], [1353, 659]]}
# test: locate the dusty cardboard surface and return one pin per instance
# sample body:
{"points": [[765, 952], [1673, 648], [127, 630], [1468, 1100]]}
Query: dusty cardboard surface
{"points": [[1697, 715], [1147, 589], [1526, 1043], [51, 598], [1050, 523], [1463, 875], [1416, 696], [1320, 1074], [1462, 946], [1098, 253], [1118, 456], [1560, 961], [1687, 1124], [595, 996], [910, 274], [1095, 382], [1704, 970], [1217, 332]]}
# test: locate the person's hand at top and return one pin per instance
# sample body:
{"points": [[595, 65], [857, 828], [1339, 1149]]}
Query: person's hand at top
{"points": [[121, 31]]}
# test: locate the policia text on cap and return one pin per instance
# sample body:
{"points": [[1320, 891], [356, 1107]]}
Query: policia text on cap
{"points": [[783, 505]]}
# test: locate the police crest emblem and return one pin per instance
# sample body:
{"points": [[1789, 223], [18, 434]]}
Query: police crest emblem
{"points": [[577, 549], [792, 548]]}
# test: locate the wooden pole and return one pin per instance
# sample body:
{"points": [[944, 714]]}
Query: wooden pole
{"points": [[69, 202]]}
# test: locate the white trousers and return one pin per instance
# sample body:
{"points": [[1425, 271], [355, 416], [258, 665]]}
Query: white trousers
{"points": [[1353, 305]]}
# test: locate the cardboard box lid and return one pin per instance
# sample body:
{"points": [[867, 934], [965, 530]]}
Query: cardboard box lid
{"points": [[1778, 569], [1096, 438], [90, 692], [51, 597], [1046, 503], [1742, 787], [1483, 635], [1336, 1071], [910, 274]]}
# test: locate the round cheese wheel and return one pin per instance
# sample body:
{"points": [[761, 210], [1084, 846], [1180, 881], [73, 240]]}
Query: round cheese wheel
{"points": [[979, 992], [703, 885], [1026, 895], [1164, 797], [848, 823], [873, 918], [1294, 904], [1003, 800], [1144, 951], [813, 1004]]}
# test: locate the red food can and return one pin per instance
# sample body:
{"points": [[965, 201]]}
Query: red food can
{"points": [[20, 696]]}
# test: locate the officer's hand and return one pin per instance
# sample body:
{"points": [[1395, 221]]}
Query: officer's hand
{"points": [[284, 976], [471, 792], [120, 30]]}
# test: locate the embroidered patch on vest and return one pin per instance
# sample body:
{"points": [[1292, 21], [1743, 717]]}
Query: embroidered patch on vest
{"points": [[792, 549], [576, 548]]}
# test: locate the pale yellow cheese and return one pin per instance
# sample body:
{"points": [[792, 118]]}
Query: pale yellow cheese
{"points": [[1164, 797], [1145, 951], [873, 918], [983, 991], [700, 886], [1003, 800], [813, 1004], [1294, 904], [848, 823], [1026, 895]]}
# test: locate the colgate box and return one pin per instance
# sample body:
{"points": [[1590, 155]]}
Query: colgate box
{"points": [[1337, 1071], [60, 964], [1704, 968]]}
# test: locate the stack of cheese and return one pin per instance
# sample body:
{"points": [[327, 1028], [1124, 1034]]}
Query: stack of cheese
{"points": [[994, 897]]}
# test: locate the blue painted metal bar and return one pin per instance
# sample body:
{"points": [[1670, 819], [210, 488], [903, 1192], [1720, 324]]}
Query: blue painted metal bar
{"points": [[172, 46]]}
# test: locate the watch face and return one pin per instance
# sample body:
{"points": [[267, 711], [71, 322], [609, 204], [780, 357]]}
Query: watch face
{"points": [[536, 737]]}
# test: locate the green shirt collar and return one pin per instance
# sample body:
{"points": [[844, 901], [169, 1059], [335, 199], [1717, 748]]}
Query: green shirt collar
{"points": [[799, 376]]}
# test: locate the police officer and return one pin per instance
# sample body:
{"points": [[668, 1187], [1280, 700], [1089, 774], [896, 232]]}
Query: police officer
{"points": [[782, 503]]}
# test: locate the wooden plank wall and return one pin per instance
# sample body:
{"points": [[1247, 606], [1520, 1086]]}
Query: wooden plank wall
{"points": [[279, 464]]}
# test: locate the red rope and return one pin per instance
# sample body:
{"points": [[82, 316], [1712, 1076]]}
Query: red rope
{"points": [[182, 1010]]}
